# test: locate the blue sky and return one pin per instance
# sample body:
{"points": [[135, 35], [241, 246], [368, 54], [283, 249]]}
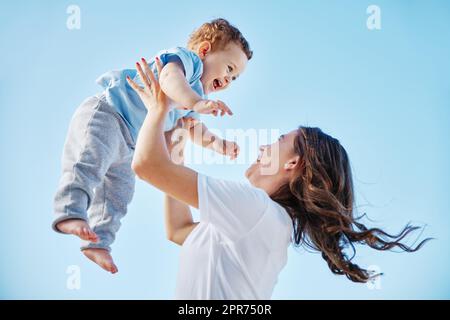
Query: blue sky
{"points": [[383, 93]]}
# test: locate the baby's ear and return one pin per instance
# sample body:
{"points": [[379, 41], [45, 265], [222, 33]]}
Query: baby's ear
{"points": [[204, 48]]}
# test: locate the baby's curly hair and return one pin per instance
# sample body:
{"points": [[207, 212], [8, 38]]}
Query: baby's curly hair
{"points": [[219, 32]]}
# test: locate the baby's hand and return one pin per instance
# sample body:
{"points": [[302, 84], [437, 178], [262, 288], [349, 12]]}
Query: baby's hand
{"points": [[212, 107], [226, 148]]}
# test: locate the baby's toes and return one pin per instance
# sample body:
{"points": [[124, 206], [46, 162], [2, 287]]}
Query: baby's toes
{"points": [[84, 234], [109, 265], [93, 236], [113, 269]]}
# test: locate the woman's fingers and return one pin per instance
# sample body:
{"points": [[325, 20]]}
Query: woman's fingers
{"points": [[134, 85], [149, 73], [159, 67], [143, 77]]}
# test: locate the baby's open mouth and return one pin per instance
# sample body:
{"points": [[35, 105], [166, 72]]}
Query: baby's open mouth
{"points": [[217, 84]]}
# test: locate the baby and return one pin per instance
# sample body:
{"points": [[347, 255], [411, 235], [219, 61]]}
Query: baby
{"points": [[97, 181]]}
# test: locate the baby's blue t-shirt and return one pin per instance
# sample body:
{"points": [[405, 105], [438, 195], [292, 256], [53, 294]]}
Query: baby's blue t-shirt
{"points": [[126, 101]]}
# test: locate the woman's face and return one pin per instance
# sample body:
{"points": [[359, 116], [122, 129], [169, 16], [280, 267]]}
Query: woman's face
{"points": [[271, 169]]}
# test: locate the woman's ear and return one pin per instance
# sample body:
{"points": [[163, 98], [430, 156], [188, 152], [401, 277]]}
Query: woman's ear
{"points": [[292, 163], [203, 49]]}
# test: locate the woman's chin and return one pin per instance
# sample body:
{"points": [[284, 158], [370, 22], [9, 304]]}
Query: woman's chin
{"points": [[250, 171]]}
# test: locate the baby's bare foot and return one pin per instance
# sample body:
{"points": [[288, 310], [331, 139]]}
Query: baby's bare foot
{"points": [[101, 257], [79, 228]]}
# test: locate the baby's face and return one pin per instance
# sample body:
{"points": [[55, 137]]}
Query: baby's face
{"points": [[222, 66]]}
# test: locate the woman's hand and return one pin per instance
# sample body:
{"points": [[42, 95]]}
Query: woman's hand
{"points": [[151, 95]]}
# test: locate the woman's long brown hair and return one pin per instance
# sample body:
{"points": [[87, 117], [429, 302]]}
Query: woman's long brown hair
{"points": [[320, 201]]}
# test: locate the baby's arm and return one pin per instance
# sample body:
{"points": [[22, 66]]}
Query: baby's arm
{"points": [[173, 83], [201, 136]]}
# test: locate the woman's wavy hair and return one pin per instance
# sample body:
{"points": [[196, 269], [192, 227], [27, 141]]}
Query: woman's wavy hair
{"points": [[320, 201]]}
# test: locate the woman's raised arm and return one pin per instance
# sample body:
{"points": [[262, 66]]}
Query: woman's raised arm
{"points": [[151, 161]]}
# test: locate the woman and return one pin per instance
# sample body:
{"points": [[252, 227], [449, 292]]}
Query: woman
{"points": [[240, 245]]}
